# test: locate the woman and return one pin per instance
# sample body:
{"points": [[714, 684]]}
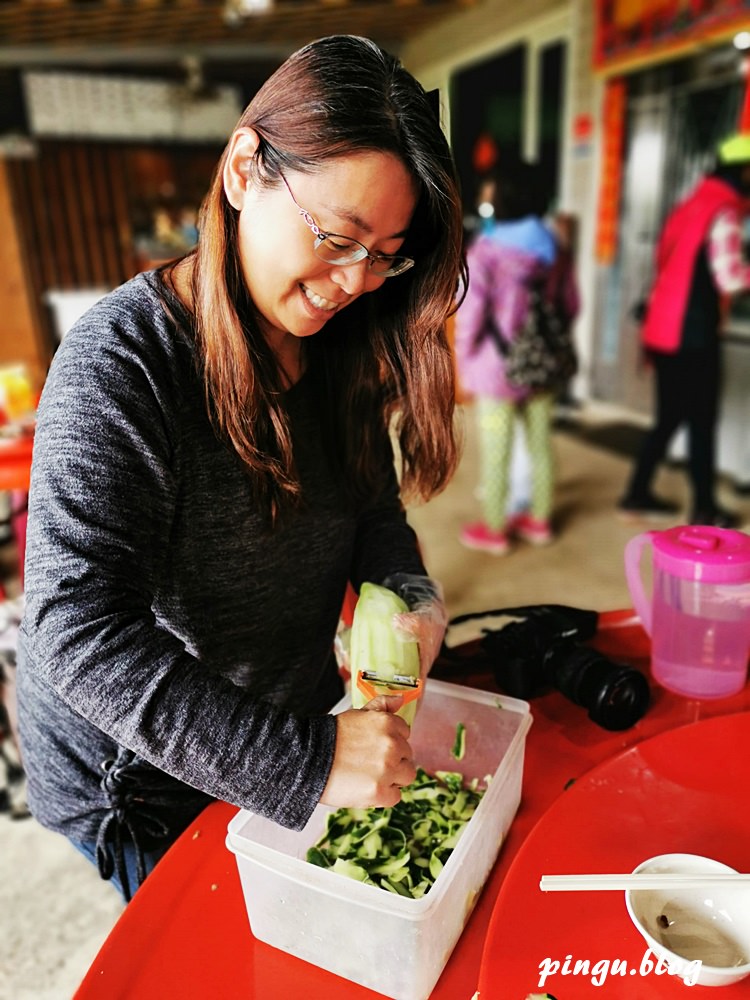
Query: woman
{"points": [[213, 465], [699, 268], [506, 263]]}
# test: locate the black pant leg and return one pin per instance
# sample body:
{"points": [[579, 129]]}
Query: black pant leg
{"points": [[671, 406], [703, 379]]}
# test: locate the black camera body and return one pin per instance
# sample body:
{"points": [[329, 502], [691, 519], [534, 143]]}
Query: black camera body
{"points": [[545, 650]]}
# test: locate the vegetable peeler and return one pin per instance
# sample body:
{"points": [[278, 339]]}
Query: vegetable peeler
{"points": [[409, 687]]}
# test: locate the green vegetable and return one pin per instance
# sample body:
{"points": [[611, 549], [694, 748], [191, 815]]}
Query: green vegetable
{"points": [[402, 849], [376, 647], [459, 747]]}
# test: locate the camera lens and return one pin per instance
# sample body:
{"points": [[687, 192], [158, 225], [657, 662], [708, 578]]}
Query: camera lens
{"points": [[616, 696]]}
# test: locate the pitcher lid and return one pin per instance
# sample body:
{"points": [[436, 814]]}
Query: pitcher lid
{"points": [[704, 553]]}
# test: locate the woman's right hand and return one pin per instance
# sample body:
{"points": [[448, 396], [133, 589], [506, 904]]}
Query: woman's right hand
{"points": [[373, 759]]}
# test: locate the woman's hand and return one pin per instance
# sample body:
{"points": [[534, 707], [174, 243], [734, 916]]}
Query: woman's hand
{"points": [[373, 759], [426, 620], [427, 627]]}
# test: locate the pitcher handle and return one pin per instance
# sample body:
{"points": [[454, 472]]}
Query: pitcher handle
{"points": [[633, 551]]}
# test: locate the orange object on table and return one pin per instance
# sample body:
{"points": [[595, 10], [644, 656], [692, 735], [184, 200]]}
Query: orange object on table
{"points": [[186, 932], [15, 462], [15, 476]]}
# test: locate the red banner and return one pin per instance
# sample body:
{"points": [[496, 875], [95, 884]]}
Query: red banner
{"points": [[610, 183], [629, 33]]}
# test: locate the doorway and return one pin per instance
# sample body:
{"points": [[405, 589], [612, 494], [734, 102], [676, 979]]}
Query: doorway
{"points": [[676, 116], [511, 104]]}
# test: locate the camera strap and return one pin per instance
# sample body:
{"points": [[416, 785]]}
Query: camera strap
{"points": [[584, 622], [575, 623]]}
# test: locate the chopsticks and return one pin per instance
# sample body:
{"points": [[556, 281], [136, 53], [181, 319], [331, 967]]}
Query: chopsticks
{"points": [[655, 880]]}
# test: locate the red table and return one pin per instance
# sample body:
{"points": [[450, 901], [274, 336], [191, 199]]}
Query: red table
{"points": [[186, 931], [674, 793]]}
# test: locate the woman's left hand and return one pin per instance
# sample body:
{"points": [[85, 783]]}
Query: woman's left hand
{"points": [[426, 620]]}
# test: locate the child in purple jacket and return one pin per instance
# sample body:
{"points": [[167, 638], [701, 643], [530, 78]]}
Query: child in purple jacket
{"points": [[518, 251]]}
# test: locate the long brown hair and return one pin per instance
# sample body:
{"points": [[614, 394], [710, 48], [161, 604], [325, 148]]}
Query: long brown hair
{"points": [[383, 363]]}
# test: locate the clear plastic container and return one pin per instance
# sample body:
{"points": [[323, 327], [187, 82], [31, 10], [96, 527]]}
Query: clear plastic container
{"points": [[390, 944]]}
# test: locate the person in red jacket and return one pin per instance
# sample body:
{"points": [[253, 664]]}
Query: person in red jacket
{"points": [[699, 265]]}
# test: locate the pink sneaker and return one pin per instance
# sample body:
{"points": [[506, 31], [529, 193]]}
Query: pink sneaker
{"points": [[531, 530], [479, 536]]}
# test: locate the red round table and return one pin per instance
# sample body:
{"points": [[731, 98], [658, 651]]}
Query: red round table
{"points": [[186, 932], [676, 792]]}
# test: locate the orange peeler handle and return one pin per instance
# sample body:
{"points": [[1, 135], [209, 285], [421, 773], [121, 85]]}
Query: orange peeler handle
{"points": [[368, 688]]}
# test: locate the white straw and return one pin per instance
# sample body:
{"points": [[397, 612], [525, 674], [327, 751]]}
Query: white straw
{"points": [[656, 880]]}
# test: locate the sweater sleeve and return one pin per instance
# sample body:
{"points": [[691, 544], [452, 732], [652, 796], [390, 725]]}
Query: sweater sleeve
{"points": [[102, 501], [730, 271], [385, 542]]}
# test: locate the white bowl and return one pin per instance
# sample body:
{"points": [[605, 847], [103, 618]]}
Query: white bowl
{"points": [[703, 935]]}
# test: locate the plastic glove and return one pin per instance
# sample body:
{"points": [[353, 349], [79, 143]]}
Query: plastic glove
{"points": [[426, 619]]}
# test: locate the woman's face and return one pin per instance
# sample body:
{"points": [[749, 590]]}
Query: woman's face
{"points": [[367, 196]]}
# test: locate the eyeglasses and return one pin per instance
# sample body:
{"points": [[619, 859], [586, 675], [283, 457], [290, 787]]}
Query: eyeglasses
{"points": [[343, 250]]}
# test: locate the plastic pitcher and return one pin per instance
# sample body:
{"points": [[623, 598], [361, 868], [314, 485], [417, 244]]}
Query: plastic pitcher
{"points": [[699, 614]]}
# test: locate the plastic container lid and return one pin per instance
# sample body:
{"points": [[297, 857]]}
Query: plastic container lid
{"points": [[703, 553]]}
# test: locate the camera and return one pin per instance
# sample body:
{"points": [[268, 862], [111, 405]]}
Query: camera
{"points": [[544, 650]]}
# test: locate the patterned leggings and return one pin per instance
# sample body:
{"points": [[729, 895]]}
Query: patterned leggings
{"points": [[496, 422]]}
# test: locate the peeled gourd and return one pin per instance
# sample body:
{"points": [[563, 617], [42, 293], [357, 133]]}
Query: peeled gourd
{"points": [[378, 651]]}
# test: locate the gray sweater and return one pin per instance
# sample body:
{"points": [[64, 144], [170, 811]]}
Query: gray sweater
{"points": [[173, 651]]}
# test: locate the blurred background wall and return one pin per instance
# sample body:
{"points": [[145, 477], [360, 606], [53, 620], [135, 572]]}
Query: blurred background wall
{"points": [[112, 118]]}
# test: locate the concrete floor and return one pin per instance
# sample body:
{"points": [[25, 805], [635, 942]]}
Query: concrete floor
{"points": [[55, 912]]}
